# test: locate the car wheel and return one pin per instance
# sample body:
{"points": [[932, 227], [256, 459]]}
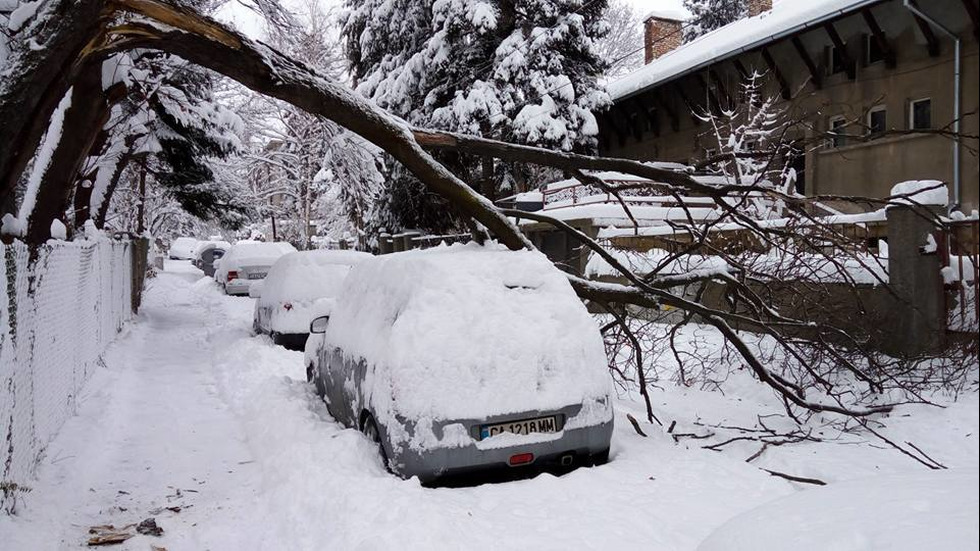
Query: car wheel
{"points": [[370, 429]]}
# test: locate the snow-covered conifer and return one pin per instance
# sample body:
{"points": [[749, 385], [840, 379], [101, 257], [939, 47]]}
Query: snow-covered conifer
{"points": [[522, 71], [708, 15]]}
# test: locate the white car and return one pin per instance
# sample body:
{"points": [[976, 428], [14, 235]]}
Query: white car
{"points": [[299, 287], [182, 248], [465, 358], [247, 262]]}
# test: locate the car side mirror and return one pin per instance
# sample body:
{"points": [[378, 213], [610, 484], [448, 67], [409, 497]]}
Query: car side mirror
{"points": [[319, 325]]}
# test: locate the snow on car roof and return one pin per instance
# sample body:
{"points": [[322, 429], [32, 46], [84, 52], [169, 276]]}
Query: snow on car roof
{"points": [[253, 253], [258, 249], [464, 331], [742, 35], [308, 275]]}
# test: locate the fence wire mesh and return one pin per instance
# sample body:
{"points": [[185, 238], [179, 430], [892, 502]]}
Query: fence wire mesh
{"points": [[58, 312]]}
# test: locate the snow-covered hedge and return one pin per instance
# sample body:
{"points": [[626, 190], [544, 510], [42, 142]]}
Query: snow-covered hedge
{"points": [[57, 315]]}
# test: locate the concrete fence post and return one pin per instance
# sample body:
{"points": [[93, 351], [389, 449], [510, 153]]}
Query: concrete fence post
{"points": [[384, 244], [914, 264]]}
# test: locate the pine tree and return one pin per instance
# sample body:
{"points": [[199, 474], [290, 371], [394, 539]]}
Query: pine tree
{"points": [[708, 15], [171, 125], [522, 71]]}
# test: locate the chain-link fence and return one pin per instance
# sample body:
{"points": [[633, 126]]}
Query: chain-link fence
{"points": [[59, 309]]}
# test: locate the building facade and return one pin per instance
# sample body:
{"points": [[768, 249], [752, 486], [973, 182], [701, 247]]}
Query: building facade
{"points": [[871, 85]]}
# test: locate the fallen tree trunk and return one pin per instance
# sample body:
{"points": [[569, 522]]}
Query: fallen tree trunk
{"points": [[183, 32]]}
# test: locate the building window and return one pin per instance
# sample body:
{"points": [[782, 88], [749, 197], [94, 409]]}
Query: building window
{"points": [[877, 122], [837, 132], [873, 51], [920, 114], [835, 60]]}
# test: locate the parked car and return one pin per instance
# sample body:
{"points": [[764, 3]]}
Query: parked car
{"points": [[247, 262], [182, 248], [464, 358], [207, 253], [298, 285]]}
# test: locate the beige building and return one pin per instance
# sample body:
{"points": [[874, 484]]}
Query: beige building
{"points": [[881, 73]]}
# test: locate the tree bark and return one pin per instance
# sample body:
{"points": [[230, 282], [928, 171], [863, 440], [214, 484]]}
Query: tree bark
{"points": [[84, 119], [36, 79], [103, 209]]}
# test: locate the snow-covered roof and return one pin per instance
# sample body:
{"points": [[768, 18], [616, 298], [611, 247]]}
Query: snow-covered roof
{"points": [[785, 18]]}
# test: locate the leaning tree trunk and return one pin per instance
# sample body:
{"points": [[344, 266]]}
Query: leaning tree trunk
{"points": [[36, 78], [184, 33], [84, 119]]}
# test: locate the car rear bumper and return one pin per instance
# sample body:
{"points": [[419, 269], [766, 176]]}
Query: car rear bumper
{"points": [[238, 287], [573, 448]]}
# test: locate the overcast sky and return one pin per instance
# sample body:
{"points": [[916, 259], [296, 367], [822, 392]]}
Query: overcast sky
{"points": [[645, 6], [247, 22]]}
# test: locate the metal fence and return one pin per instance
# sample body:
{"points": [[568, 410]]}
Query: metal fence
{"points": [[60, 306]]}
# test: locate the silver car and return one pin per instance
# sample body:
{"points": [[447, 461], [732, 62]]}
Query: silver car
{"points": [[428, 354], [247, 262]]}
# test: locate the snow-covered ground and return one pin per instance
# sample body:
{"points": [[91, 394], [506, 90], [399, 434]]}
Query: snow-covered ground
{"points": [[192, 411]]}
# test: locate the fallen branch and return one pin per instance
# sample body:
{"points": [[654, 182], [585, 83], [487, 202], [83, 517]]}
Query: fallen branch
{"points": [[636, 425], [804, 480]]}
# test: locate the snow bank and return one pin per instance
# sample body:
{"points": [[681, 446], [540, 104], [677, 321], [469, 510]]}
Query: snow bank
{"points": [[902, 512], [923, 192], [466, 332]]}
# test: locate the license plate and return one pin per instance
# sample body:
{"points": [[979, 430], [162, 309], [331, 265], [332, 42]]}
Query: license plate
{"points": [[257, 276], [524, 426]]}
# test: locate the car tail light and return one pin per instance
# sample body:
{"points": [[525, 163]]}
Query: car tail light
{"points": [[232, 275], [520, 459], [287, 305]]}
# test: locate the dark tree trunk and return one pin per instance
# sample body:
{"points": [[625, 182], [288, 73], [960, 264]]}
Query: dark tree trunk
{"points": [[141, 207], [117, 173], [84, 119], [26, 104]]}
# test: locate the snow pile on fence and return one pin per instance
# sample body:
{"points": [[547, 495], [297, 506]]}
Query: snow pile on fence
{"points": [[465, 332], [856, 267], [57, 315]]}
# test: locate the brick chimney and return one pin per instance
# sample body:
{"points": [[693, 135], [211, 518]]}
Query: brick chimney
{"points": [[758, 6], [661, 34]]}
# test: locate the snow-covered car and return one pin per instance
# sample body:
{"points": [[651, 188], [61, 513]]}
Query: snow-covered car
{"points": [[182, 248], [207, 252], [247, 262], [298, 286], [465, 358]]}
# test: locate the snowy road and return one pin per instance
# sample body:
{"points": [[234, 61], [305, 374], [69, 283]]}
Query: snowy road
{"points": [[194, 412]]}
